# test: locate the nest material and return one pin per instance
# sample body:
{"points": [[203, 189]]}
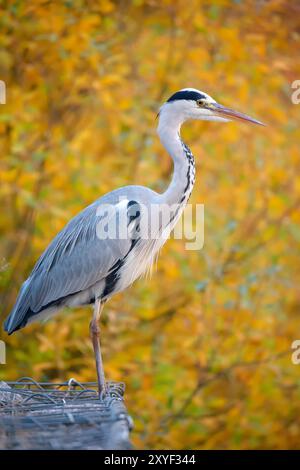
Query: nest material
{"points": [[68, 415]]}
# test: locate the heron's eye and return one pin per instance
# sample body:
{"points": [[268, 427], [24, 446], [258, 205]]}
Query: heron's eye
{"points": [[201, 102]]}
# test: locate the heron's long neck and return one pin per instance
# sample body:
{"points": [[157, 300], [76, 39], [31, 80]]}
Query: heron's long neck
{"points": [[183, 178]]}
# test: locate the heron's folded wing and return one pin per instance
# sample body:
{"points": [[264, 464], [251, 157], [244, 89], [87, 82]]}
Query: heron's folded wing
{"points": [[80, 255]]}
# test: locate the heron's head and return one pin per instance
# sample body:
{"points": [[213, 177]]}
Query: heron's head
{"points": [[190, 103]]}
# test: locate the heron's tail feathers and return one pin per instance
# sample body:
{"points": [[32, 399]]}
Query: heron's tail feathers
{"points": [[18, 316]]}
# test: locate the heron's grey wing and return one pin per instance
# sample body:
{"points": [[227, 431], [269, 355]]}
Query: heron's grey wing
{"points": [[77, 258], [80, 255]]}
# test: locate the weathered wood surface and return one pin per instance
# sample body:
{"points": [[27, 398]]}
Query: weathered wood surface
{"points": [[62, 416]]}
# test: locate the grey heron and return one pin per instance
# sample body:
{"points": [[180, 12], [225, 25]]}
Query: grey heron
{"points": [[81, 266]]}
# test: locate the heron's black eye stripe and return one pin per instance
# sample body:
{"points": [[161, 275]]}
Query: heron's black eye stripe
{"points": [[186, 95]]}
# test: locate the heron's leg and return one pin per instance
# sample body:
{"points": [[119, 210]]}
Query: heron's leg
{"points": [[95, 335]]}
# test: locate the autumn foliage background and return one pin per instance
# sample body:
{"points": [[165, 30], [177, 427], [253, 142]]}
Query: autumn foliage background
{"points": [[204, 347]]}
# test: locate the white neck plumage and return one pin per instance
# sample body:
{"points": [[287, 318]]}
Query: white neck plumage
{"points": [[183, 178]]}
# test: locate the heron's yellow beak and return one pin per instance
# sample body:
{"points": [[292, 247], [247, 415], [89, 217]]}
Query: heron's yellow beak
{"points": [[231, 114]]}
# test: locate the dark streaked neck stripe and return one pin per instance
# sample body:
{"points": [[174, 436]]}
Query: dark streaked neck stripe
{"points": [[190, 176], [190, 181]]}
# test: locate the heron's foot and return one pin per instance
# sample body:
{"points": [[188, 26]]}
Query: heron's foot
{"points": [[102, 391]]}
